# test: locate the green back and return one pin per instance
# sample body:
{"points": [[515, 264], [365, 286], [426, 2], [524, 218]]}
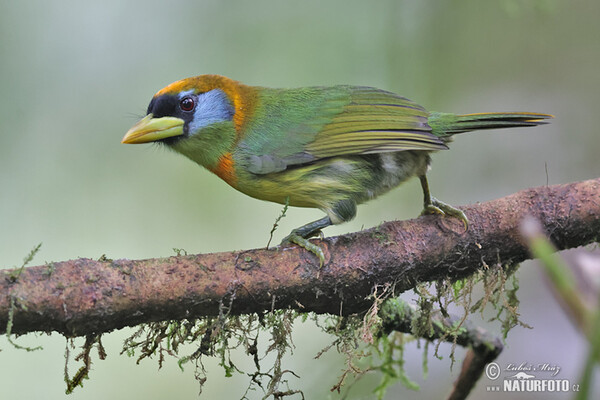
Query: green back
{"points": [[299, 126]]}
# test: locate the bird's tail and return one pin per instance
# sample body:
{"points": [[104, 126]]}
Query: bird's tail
{"points": [[445, 124]]}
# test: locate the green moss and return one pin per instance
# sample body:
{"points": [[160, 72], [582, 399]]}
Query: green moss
{"points": [[217, 337], [104, 258], [371, 342], [84, 357], [180, 252], [278, 219], [15, 301], [382, 237], [16, 273], [50, 267]]}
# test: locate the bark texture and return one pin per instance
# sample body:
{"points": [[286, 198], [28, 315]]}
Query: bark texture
{"points": [[84, 296]]}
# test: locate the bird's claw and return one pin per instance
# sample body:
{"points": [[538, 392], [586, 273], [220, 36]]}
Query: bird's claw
{"points": [[306, 244], [443, 209]]}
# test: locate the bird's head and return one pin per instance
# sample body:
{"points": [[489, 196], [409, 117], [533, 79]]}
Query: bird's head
{"points": [[200, 117], [184, 108]]}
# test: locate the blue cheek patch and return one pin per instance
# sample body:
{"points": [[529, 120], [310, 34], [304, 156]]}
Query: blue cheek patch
{"points": [[213, 106]]}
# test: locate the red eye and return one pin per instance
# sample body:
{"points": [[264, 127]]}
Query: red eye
{"points": [[187, 104]]}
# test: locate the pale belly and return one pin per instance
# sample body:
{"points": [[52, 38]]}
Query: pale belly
{"points": [[327, 182]]}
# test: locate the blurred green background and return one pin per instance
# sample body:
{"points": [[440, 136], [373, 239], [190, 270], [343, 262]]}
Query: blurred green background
{"points": [[74, 76]]}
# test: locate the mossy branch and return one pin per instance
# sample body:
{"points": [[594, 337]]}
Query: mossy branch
{"points": [[483, 347], [83, 297]]}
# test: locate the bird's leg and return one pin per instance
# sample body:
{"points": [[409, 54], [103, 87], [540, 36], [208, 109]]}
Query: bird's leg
{"points": [[431, 205], [300, 237]]}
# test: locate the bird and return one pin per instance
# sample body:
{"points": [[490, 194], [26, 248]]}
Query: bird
{"points": [[325, 147]]}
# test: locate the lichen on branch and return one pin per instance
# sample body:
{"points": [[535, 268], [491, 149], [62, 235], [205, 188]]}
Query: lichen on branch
{"points": [[222, 301], [84, 296]]}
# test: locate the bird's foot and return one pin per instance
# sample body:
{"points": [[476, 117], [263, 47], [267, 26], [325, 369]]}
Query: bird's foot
{"points": [[443, 209], [306, 244]]}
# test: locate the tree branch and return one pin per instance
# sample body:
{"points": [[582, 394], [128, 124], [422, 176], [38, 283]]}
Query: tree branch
{"points": [[482, 346], [84, 296]]}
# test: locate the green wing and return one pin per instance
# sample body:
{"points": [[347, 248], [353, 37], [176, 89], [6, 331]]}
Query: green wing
{"points": [[300, 126]]}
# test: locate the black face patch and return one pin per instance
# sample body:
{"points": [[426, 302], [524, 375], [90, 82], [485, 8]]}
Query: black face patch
{"points": [[167, 105], [164, 106], [196, 110]]}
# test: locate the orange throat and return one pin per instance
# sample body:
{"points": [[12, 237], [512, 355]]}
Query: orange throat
{"points": [[225, 169]]}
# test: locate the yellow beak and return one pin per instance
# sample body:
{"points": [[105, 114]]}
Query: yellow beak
{"points": [[150, 129]]}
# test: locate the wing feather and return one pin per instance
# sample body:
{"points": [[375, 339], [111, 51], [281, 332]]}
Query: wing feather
{"points": [[375, 121], [341, 120]]}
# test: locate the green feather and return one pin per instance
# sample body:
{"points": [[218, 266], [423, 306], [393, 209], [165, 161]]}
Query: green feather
{"points": [[446, 124], [299, 126], [207, 148]]}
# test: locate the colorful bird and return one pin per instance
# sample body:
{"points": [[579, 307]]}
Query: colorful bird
{"points": [[330, 147]]}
